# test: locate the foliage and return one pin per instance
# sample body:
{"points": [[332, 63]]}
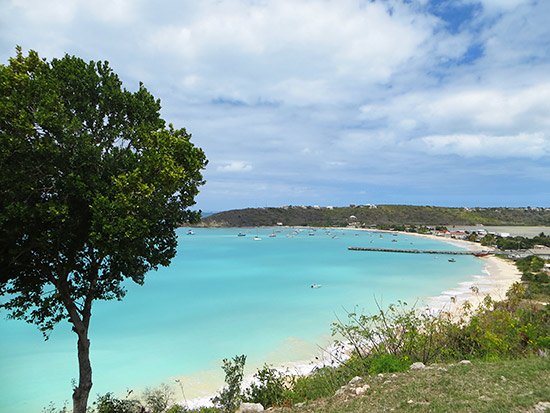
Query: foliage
{"points": [[93, 185], [489, 240], [204, 410], [387, 363], [530, 264], [158, 399], [398, 330], [176, 408], [536, 280], [269, 388], [383, 216], [52, 408], [322, 383], [230, 396], [515, 243], [108, 403]]}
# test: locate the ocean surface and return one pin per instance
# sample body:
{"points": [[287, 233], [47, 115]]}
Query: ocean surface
{"points": [[224, 295]]}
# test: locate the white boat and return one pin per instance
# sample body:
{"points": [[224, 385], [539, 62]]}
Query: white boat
{"points": [[190, 232], [257, 238], [315, 286]]}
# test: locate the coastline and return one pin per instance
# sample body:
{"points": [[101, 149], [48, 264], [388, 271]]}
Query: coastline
{"points": [[497, 277]]}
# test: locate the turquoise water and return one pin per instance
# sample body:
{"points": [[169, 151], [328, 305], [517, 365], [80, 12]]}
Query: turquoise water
{"points": [[223, 295]]}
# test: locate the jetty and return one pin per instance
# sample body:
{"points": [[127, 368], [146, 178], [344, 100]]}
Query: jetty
{"points": [[416, 251]]}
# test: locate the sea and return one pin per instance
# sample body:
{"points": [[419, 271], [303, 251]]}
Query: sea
{"points": [[225, 295]]}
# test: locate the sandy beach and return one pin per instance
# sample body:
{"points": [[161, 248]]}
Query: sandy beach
{"points": [[497, 277]]}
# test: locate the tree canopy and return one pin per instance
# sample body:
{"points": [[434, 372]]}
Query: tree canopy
{"points": [[93, 184]]}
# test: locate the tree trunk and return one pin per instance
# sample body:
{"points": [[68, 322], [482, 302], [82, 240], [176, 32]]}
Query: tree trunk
{"points": [[81, 393]]}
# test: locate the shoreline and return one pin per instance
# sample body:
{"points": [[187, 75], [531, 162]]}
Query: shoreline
{"points": [[497, 277]]}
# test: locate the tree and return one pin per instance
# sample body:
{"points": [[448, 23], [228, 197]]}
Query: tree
{"points": [[93, 185]]}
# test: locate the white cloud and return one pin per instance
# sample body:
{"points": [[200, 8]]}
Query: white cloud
{"points": [[522, 145], [301, 52], [235, 166], [330, 95]]}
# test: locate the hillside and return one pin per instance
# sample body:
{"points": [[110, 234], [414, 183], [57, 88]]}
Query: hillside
{"points": [[381, 215], [503, 386]]}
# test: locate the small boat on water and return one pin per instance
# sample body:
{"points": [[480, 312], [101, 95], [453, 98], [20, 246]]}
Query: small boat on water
{"points": [[272, 235], [241, 234], [452, 260], [257, 238], [315, 286], [190, 232]]}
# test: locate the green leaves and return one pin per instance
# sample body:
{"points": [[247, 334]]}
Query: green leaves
{"points": [[93, 183]]}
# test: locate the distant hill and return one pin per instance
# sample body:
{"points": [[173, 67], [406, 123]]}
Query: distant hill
{"points": [[380, 215]]}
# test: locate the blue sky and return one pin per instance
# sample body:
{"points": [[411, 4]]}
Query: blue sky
{"points": [[330, 102]]}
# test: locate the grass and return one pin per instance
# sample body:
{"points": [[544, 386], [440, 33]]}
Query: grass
{"points": [[503, 386]]}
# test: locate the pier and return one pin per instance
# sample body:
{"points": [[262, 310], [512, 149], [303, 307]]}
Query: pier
{"points": [[415, 251]]}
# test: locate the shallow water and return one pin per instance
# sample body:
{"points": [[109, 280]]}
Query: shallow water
{"points": [[224, 295]]}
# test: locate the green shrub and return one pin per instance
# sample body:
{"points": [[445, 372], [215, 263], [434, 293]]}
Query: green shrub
{"points": [[398, 330], [387, 363], [269, 389], [230, 396], [110, 404], [322, 383], [176, 408], [157, 400]]}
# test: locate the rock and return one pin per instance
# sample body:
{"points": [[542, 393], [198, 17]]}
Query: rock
{"points": [[362, 390], [418, 366], [341, 391], [300, 404], [465, 362], [394, 375], [381, 375], [502, 378], [485, 398], [250, 408], [410, 401], [355, 381], [541, 407], [442, 369]]}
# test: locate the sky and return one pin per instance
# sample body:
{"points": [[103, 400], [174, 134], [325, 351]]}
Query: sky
{"points": [[426, 102]]}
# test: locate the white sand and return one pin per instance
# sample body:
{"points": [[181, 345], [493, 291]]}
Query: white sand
{"points": [[497, 278]]}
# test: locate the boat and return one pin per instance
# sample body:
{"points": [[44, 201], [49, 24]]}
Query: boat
{"points": [[190, 232], [241, 234], [452, 260], [272, 235], [257, 238], [315, 286]]}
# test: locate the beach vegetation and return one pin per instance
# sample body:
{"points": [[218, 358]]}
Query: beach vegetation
{"points": [[108, 403], [230, 397], [158, 399], [269, 388], [93, 185]]}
